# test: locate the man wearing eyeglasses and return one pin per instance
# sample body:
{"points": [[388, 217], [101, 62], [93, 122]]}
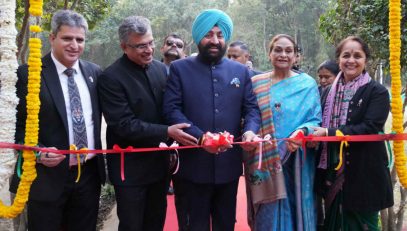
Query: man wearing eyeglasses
{"points": [[131, 92], [172, 49]]}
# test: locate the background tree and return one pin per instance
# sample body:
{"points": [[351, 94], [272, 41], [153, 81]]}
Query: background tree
{"points": [[166, 16], [255, 23], [367, 19], [93, 11], [259, 20]]}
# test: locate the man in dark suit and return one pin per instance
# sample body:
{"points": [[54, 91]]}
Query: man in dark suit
{"points": [[56, 201], [131, 91], [213, 94]]}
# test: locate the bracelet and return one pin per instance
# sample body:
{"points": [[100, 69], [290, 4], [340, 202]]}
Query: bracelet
{"points": [[245, 133], [38, 156]]}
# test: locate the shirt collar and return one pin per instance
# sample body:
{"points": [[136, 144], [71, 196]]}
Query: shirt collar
{"points": [[61, 68]]}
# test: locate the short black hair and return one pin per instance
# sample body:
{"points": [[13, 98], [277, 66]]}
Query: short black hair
{"points": [[330, 65], [240, 44], [173, 35]]}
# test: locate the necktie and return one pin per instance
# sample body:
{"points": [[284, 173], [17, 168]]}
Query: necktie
{"points": [[78, 121]]}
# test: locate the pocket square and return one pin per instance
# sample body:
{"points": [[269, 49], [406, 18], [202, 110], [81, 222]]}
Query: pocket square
{"points": [[235, 81]]}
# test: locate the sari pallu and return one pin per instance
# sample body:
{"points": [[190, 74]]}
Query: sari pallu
{"points": [[280, 196]]}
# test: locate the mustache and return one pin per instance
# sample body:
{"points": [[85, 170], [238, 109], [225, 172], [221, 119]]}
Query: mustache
{"points": [[208, 46], [168, 53]]}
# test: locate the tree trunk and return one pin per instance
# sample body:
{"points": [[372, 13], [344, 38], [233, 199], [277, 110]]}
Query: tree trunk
{"points": [[21, 37], [75, 2], [24, 48]]}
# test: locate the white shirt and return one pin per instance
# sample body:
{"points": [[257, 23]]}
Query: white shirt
{"points": [[85, 101]]}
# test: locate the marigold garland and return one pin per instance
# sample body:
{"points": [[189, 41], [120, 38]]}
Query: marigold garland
{"points": [[32, 121], [396, 103]]}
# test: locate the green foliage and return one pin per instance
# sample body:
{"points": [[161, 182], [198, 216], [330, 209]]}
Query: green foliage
{"points": [[166, 16], [367, 19], [255, 21], [259, 20], [93, 10]]}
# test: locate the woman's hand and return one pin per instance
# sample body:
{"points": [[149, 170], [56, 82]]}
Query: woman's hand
{"points": [[294, 144]]}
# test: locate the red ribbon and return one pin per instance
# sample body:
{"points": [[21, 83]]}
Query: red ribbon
{"points": [[221, 141], [118, 149], [353, 138]]}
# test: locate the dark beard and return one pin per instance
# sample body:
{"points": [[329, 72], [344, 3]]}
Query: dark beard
{"points": [[207, 56]]}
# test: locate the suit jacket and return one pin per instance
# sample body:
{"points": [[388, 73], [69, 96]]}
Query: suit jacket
{"points": [[53, 125], [367, 185], [131, 100], [211, 97]]}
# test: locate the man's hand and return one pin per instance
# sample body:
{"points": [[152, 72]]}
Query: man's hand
{"points": [[249, 136], [175, 132], [318, 131], [50, 159], [209, 147]]}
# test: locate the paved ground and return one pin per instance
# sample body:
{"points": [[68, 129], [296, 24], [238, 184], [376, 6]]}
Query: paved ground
{"points": [[171, 223]]}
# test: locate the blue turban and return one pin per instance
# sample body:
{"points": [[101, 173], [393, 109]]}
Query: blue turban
{"points": [[207, 20]]}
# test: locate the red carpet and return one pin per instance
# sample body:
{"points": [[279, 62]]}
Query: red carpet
{"points": [[171, 223]]}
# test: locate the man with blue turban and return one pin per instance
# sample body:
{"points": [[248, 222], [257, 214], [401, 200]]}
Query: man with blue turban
{"points": [[212, 94]]}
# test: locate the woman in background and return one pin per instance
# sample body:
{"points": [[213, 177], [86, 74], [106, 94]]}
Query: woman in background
{"points": [[327, 71]]}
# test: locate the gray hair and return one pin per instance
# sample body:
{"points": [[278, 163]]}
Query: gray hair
{"points": [[67, 18], [133, 24]]}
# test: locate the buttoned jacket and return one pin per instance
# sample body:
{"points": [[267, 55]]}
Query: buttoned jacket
{"points": [[367, 185], [212, 97], [131, 100]]}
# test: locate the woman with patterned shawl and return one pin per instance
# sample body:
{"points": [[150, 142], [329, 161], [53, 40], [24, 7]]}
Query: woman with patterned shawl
{"points": [[280, 185], [359, 186]]}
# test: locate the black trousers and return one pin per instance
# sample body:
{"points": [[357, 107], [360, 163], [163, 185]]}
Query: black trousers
{"points": [[207, 205], [142, 207], [180, 202], [75, 210]]}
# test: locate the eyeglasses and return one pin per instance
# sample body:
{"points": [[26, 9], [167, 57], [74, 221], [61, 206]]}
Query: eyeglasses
{"points": [[171, 43], [142, 46]]}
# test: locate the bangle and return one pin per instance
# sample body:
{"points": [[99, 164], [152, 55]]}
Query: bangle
{"points": [[38, 155], [326, 131]]}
